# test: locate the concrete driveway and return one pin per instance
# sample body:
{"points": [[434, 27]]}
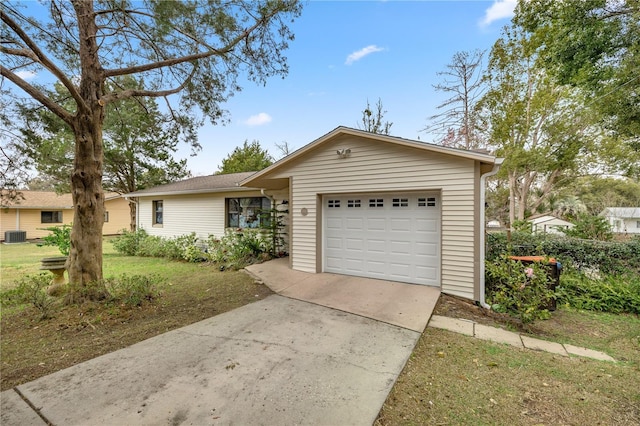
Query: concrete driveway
{"points": [[277, 361]]}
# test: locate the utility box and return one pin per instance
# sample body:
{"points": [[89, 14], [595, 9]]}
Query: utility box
{"points": [[15, 237]]}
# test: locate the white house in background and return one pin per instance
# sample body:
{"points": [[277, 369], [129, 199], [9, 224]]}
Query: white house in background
{"points": [[623, 220], [359, 204], [548, 224]]}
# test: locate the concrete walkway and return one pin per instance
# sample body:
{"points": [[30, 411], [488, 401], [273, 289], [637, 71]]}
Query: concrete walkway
{"points": [[499, 335]]}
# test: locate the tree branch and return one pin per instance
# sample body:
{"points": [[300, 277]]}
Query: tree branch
{"points": [[37, 95], [41, 58]]}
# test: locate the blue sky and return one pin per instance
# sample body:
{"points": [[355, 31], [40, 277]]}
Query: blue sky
{"points": [[346, 52]]}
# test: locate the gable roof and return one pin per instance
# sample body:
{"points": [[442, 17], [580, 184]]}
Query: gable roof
{"points": [[47, 200], [342, 130], [197, 185], [622, 212], [537, 220]]}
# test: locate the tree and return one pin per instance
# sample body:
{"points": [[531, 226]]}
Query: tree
{"points": [[372, 120], [284, 148], [458, 123], [138, 144], [250, 157], [190, 52], [533, 123], [593, 45]]}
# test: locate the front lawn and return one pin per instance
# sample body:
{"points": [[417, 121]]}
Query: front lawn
{"points": [[32, 347]]}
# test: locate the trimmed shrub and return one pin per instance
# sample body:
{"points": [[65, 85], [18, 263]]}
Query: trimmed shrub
{"points": [[520, 290], [237, 249]]}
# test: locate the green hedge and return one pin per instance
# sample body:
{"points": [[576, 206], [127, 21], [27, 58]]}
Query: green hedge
{"points": [[617, 257]]}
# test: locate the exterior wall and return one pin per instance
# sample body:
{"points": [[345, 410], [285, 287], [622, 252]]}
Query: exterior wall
{"points": [[624, 225], [384, 167], [30, 220], [203, 214], [119, 216]]}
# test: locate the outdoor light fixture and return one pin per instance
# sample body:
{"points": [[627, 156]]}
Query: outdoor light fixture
{"points": [[344, 152]]}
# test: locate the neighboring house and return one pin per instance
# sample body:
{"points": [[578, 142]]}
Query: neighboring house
{"points": [[624, 220], [548, 224], [359, 204], [35, 210]]}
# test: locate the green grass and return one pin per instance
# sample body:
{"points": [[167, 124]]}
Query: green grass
{"points": [[19, 260], [452, 379]]}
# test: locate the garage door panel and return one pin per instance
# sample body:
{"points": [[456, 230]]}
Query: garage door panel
{"points": [[376, 224], [400, 247], [391, 236], [426, 225], [354, 224], [425, 249], [401, 225], [376, 246], [355, 244]]}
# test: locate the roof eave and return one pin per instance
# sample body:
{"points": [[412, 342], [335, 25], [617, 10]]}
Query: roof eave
{"points": [[471, 155], [189, 192]]}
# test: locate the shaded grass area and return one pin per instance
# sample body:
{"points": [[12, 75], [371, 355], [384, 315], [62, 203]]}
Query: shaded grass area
{"points": [[31, 348], [453, 379]]}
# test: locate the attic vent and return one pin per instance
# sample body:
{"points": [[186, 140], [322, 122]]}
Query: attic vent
{"points": [[15, 236]]}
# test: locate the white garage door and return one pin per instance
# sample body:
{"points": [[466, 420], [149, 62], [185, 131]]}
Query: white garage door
{"points": [[394, 237]]}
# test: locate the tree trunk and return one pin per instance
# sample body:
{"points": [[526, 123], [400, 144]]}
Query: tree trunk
{"points": [[132, 214], [512, 199], [85, 255]]}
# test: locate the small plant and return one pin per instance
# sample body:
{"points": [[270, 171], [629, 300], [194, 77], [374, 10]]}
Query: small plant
{"points": [[134, 290], [31, 289], [128, 243], [518, 289], [239, 248], [61, 237]]}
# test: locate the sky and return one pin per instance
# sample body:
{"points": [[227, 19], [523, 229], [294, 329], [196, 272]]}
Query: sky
{"points": [[346, 53]]}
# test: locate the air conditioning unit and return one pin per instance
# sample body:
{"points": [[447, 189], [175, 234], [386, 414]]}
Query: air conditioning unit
{"points": [[15, 237]]}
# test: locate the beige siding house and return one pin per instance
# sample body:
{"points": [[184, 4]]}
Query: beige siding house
{"points": [[359, 204], [385, 207], [206, 205], [35, 210]]}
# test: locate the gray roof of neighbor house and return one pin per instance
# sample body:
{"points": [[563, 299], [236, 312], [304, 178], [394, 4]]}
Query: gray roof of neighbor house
{"points": [[622, 212], [197, 185], [46, 200]]}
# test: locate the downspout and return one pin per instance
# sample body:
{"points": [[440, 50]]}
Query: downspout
{"points": [[483, 184]]}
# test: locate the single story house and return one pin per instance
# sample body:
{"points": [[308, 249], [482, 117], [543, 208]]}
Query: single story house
{"points": [[623, 220], [549, 224], [359, 204], [33, 211]]}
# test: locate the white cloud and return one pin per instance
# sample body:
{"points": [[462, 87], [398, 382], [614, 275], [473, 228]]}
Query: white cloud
{"points": [[26, 75], [500, 9], [258, 119], [359, 54]]}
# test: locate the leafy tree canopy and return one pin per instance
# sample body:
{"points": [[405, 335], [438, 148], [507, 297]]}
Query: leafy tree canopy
{"points": [[250, 157], [594, 45], [191, 53]]}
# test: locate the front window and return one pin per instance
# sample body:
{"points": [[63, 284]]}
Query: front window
{"points": [[157, 212], [51, 217], [248, 212]]}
